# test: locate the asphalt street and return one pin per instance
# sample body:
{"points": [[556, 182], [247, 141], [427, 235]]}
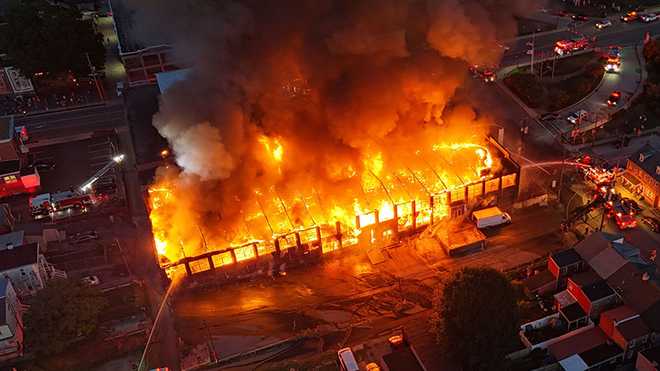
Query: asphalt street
{"points": [[49, 125], [623, 34]]}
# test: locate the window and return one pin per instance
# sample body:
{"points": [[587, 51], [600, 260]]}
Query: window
{"points": [[10, 179]]}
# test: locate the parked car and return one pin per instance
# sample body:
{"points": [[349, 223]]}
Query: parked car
{"points": [[90, 280], [83, 237], [631, 205], [44, 165], [652, 223], [580, 17], [629, 17], [603, 23], [614, 98], [648, 17], [574, 117]]}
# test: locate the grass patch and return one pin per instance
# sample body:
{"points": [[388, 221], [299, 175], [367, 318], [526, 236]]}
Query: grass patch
{"points": [[552, 96]]}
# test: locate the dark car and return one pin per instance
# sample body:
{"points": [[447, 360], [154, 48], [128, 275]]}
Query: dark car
{"points": [[614, 98], [44, 165], [652, 223], [580, 17], [631, 205]]}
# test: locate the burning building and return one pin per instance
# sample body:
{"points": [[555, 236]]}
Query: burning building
{"points": [[314, 125]]}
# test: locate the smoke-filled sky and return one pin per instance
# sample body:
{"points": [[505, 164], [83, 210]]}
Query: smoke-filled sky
{"points": [[334, 81]]}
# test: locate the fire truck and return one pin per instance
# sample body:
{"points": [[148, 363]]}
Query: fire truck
{"points": [[613, 60], [79, 200], [565, 47]]}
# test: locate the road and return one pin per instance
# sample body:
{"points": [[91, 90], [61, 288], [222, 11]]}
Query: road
{"points": [[67, 123], [623, 34], [626, 81]]}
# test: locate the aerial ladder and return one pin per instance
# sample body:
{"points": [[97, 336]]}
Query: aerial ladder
{"points": [[46, 204]]}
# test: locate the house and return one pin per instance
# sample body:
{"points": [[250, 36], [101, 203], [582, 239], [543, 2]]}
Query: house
{"points": [[643, 174], [23, 267], [26, 268], [592, 293], [595, 358], [564, 263], [626, 328], [648, 360], [11, 323], [578, 342]]}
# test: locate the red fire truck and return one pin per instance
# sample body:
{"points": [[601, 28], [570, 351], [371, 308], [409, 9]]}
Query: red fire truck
{"points": [[564, 47], [80, 200]]}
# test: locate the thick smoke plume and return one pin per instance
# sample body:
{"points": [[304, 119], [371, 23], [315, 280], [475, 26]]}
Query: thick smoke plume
{"points": [[332, 83]]}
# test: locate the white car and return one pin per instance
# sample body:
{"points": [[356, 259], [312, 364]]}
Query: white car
{"points": [[649, 17], [90, 280], [603, 23], [574, 117]]}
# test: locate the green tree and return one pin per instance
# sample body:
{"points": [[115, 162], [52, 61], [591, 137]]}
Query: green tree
{"points": [[476, 318], [63, 312], [41, 37]]}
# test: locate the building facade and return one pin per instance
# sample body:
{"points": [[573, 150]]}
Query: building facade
{"points": [[11, 322], [642, 174]]}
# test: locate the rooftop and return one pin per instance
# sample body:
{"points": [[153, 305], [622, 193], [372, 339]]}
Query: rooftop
{"points": [[18, 256], [3, 312], [619, 313], [597, 291], [585, 278], [607, 262], [652, 354], [566, 257], [132, 36], [577, 343], [594, 244], [573, 312], [633, 328], [648, 159], [600, 353]]}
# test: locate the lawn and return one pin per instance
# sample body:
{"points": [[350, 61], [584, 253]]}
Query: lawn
{"points": [[552, 95]]}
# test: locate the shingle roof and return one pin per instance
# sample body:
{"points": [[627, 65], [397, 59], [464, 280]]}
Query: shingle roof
{"points": [[577, 343], [566, 257], [594, 244], [18, 256], [585, 278], [637, 294], [607, 262], [648, 159]]}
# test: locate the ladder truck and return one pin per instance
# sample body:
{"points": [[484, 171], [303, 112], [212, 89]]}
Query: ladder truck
{"points": [[46, 205]]}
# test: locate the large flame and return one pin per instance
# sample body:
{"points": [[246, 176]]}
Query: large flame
{"points": [[357, 200]]}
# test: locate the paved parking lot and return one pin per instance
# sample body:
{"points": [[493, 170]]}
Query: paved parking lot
{"points": [[76, 162]]}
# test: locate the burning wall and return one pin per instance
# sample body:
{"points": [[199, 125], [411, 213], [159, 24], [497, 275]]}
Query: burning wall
{"points": [[301, 113]]}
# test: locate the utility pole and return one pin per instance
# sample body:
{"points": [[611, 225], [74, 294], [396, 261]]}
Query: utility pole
{"points": [[94, 75]]}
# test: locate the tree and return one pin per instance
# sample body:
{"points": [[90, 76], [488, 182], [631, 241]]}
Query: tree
{"points": [[476, 318], [63, 312], [52, 39]]}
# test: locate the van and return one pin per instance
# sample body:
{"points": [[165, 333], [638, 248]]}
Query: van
{"points": [[490, 217], [347, 360]]}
